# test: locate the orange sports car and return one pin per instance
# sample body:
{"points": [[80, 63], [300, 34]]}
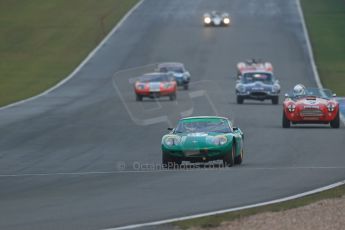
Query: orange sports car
{"points": [[155, 85]]}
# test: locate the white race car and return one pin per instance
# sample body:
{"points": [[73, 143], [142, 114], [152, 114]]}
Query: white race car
{"points": [[216, 19]]}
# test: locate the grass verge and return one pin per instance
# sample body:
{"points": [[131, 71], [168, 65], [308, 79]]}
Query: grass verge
{"points": [[326, 26], [216, 220], [42, 41]]}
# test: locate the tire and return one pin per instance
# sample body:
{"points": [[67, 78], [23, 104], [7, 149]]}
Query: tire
{"points": [[239, 100], [335, 124], [139, 97], [177, 162], [186, 86], [229, 158], [166, 160], [172, 97], [239, 159], [238, 77], [275, 100], [285, 122]]}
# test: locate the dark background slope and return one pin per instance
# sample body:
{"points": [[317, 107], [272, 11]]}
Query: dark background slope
{"points": [[92, 123]]}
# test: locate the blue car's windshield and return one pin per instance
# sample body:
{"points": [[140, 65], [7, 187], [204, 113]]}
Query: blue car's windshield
{"points": [[203, 126], [266, 78]]}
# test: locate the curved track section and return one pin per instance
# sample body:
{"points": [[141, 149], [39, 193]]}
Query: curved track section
{"points": [[69, 159]]}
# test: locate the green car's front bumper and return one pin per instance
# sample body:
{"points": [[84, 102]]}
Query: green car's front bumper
{"points": [[207, 153]]}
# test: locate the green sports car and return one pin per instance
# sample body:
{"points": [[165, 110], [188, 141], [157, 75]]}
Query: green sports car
{"points": [[203, 139]]}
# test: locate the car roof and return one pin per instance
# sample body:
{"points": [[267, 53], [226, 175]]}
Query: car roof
{"points": [[256, 71], [217, 12], [201, 117], [151, 75], [169, 64]]}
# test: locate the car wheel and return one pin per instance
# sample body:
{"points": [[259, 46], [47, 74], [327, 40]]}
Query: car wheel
{"points": [[286, 122], [139, 97], [172, 97], [186, 86], [166, 160], [239, 100], [228, 159], [177, 162], [239, 159], [336, 122], [275, 100]]}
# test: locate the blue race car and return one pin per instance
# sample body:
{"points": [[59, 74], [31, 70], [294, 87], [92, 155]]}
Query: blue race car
{"points": [[181, 75], [257, 85]]}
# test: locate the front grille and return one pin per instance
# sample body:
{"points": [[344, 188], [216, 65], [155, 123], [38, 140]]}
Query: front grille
{"points": [[201, 152], [311, 113], [258, 94]]}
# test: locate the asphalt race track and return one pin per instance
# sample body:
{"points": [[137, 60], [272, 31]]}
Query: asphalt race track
{"points": [[70, 159]]}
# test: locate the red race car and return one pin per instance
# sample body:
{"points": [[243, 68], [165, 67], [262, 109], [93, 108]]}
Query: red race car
{"points": [[310, 106], [155, 85]]}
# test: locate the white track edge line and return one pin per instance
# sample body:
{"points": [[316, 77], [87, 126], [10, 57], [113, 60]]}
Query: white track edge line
{"points": [[168, 171], [81, 65], [309, 47], [167, 221], [318, 82], [311, 52]]}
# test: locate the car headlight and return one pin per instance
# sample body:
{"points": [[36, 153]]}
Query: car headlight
{"points": [[167, 85], [172, 141], [291, 107], [220, 140], [207, 20], [275, 88], [241, 88], [226, 20], [140, 86], [331, 107]]}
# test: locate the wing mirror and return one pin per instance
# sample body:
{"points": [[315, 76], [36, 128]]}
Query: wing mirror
{"points": [[286, 95], [334, 95], [170, 129], [235, 128]]}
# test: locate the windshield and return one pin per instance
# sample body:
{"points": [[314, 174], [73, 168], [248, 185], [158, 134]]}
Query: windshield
{"points": [[317, 92], [176, 69], [155, 78], [257, 77], [215, 13], [203, 126]]}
